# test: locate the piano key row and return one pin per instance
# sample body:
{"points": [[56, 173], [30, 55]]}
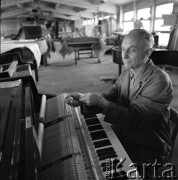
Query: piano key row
{"points": [[102, 146]]}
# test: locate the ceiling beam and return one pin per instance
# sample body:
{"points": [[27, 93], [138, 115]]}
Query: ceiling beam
{"points": [[88, 13], [62, 16], [57, 5], [65, 17], [108, 8], [8, 3], [15, 12], [112, 9], [62, 11], [85, 14], [97, 2], [19, 5], [75, 3], [67, 12]]}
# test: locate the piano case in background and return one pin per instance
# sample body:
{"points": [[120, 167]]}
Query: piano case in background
{"points": [[29, 32], [165, 58], [23, 55]]}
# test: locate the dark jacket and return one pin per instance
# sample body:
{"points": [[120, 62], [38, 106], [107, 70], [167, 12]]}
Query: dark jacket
{"points": [[141, 119]]}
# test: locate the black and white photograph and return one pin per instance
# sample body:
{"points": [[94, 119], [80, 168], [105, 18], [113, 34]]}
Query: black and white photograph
{"points": [[89, 90]]}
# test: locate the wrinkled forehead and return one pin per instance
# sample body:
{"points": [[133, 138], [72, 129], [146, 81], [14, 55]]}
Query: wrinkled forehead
{"points": [[136, 40]]}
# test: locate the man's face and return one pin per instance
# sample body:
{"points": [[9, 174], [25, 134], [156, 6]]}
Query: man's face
{"points": [[133, 51]]}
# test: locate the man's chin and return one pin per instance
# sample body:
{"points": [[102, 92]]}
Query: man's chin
{"points": [[127, 66]]}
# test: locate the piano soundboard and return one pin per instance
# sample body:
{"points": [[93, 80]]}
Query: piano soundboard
{"points": [[78, 147]]}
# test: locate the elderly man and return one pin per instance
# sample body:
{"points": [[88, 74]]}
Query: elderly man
{"points": [[137, 104]]}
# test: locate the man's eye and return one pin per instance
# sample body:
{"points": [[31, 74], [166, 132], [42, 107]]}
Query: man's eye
{"points": [[132, 49]]}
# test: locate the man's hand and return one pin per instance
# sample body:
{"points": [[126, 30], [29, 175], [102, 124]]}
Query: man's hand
{"points": [[90, 99], [93, 99], [73, 99]]}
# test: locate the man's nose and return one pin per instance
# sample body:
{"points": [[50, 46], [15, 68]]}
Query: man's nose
{"points": [[125, 54]]}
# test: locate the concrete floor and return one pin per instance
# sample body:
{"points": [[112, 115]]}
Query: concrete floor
{"points": [[63, 76]]}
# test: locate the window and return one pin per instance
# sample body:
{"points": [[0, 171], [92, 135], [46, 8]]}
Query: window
{"points": [[163, 38], [145, 14], [159, 25], [89, 22], [163, 31], [84, 22], [159, 21], [114, 16], [96, 21], [164, 9], [146, 24], [128, 16], [128, 21], [128, 26]]}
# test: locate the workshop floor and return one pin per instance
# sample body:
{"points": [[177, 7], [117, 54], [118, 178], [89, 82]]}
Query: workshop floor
{"points": [[63, 76]]}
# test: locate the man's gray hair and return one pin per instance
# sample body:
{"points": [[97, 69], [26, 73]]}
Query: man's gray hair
{"points": [[145, 34]]}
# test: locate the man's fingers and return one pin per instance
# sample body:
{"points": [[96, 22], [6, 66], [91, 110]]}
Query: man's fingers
{"points": [[68, 99], [76, 99], [75, 96], [72, 102]]}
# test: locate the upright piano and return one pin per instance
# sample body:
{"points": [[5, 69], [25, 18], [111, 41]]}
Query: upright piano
{"points": [[29, 32], [165, 58], [45, 139]]}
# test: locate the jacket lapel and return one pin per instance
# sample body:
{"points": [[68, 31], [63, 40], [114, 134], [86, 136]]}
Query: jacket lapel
{"points": [[125, 81], [140, 81]]}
